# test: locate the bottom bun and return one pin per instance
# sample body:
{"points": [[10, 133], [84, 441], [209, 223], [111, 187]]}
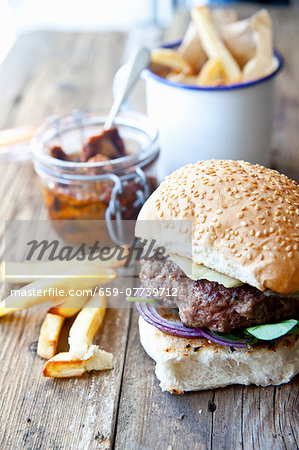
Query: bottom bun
{"points": [[196, 364]]}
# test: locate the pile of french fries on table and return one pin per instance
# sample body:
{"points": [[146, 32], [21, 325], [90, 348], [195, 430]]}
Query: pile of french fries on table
{"points": [[89, 310], [218, 49]]}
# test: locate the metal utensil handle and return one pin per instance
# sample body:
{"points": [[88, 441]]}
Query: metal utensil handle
{"points": [[138, 61]]}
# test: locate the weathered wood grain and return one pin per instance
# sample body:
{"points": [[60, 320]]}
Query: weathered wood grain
{"points": [[52, 73], [244, 417], [285, 150], [45, 413], [150, 419]]}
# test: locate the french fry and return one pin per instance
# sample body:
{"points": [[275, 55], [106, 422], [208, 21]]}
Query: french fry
{"points": [[170, 58], [44, 290], [212, 73], [239, 39], [5, 311], [213, 45], [86, 325], [191, 49], [222, 16], [49, 335], [15, 272], [65, 365], [82, 356], [53, 322], [16, 135], [70, 307], [182, 78], [263, 63]]}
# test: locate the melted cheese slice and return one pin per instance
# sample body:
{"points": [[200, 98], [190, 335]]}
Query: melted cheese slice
{"points": [[200, 272]]}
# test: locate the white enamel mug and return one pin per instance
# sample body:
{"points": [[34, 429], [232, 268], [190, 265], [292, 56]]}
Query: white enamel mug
{"points": [[223, 122]]}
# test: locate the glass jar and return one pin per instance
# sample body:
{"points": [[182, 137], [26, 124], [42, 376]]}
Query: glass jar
{"points": [[112, 190]]}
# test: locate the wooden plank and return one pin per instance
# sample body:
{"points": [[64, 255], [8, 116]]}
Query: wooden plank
{"points": [[151, 419], [63, 72], [68, 71], [274, 423], [285, 153], [76, 73], [236, 416], [29, 52], [49, 413], [232, 417]]}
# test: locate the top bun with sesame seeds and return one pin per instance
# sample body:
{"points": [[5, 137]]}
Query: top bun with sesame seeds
{"points": [[245, 221]]}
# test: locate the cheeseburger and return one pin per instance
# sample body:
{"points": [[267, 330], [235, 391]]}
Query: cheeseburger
{"points": [[226, 294]]}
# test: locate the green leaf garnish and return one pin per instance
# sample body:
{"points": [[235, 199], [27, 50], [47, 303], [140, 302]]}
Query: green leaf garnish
{"points": [[140, 300], [233, 336], [272, 331], [295, 330]]}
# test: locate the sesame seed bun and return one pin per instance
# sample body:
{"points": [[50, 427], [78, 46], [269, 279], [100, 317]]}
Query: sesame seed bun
{"points": [[245, 221]]}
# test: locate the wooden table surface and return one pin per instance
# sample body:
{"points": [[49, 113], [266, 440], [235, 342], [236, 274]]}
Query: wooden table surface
{"points": [[52, 73]]}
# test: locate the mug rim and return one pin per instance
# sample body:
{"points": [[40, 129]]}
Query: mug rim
{"points": [[230, 87]]}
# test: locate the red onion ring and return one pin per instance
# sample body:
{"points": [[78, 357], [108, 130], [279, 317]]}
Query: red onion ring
{"points": [[150, 314]]}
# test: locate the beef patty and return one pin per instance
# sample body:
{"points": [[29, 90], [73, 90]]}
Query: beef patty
{"points": [[209, 304]]}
